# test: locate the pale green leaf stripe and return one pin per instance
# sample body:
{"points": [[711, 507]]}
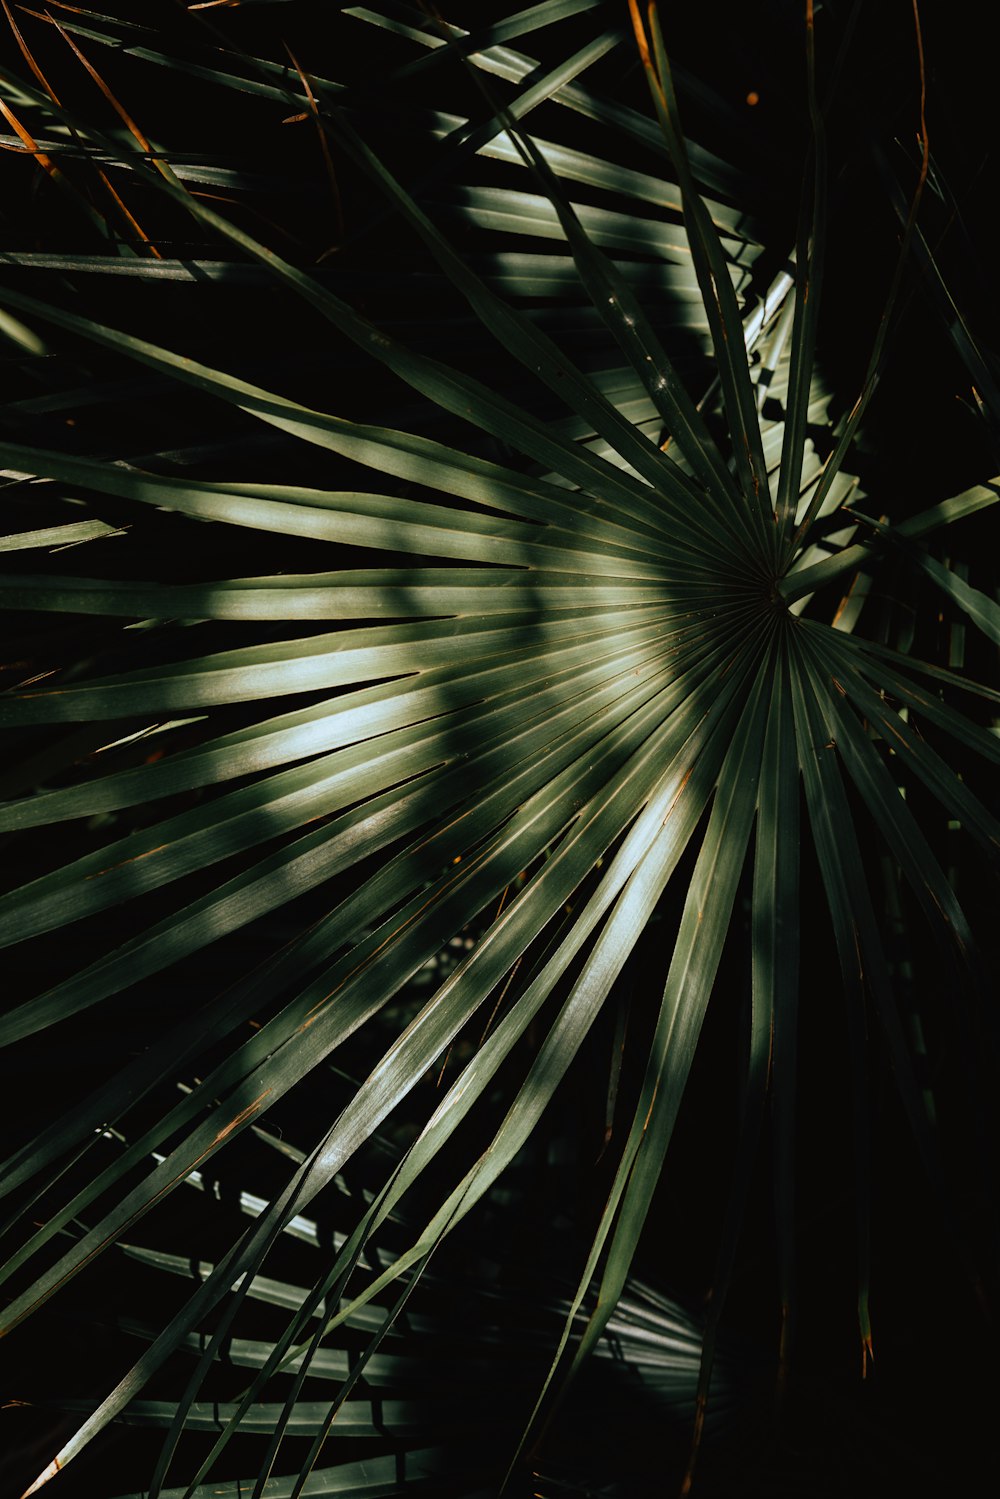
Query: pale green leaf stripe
{"points": [[523, 274], [356, 1418], [399, 593], [527, 342], [402, 454], [373, 520], [363, 714], [796, 584], [57, 536], [386, 889], [460, 393], [318, 662], [326, 1161], [252, 1353], [340, 999], [614, 797], [694, 962], [467, 139], [581, 166], [143, 860], [978, 606], [624, 315], [531, 214], [264, 1288], [185, 1321]]}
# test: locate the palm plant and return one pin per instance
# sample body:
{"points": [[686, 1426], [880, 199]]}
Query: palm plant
{"points": [[623, 703]]}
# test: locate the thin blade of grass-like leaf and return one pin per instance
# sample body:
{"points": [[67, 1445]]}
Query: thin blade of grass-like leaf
{"points": [[363, 714], [967, 346], [372, 520], [872, 657], [402, 454], [623, 314], [58, 536], [891, 814], [857, 751], [252, 1245], [976, 605], [717, 291], [345, 595], [548, 754], [772, 1041], [340, 659], [697, 951], [914, 751], [810, 247], [525, 341], [873, 374], [796, 584], [847, 899], [678, 789], [396, 945]]}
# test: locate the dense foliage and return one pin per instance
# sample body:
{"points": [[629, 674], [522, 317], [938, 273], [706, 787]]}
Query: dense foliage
{"points": [[499, 738]]}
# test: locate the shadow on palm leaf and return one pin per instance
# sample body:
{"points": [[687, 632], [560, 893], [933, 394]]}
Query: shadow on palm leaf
{"points": [[622, 664]]}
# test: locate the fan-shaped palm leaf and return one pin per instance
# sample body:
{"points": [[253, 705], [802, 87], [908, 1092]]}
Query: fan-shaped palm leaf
{"points": [[609, 683]]}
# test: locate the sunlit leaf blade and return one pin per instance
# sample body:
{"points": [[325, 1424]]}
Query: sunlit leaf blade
{"points": [[719, 866], [801, 581], [438, 680], [978, 606], [406, 941]]}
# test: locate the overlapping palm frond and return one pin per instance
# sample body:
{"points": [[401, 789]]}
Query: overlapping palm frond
{"points": [[580, 612]]}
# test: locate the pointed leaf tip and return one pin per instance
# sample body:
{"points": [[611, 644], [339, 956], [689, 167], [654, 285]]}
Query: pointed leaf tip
{"points": [[43, 1478]]}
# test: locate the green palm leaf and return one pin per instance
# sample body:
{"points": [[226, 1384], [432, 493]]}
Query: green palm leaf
{"points": [[575, 677]]}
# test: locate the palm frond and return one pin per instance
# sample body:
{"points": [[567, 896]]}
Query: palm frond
{"points": [[572, 684]]}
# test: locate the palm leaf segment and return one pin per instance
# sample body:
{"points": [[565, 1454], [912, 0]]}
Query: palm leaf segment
{"points": [[588, 671]]}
